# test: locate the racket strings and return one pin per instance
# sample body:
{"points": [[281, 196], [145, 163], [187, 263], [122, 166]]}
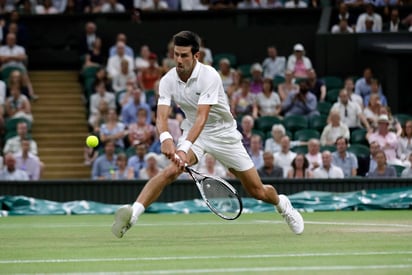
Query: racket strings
{"points": [[221, 198]]}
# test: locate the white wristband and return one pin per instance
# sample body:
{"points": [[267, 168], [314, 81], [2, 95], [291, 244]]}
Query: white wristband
{"points": [[165, 135], [185, 146]]}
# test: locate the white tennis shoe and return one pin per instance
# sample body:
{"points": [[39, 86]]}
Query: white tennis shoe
{"points": [[292, 217], [122, 221]]}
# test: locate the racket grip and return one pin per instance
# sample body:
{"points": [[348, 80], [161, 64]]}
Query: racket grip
{"points": [[178, 158]]}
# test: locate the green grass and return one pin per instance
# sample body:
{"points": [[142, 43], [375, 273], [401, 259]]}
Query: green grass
{"points": [[378, 242]]}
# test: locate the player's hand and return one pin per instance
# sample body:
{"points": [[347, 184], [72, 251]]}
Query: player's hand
{"points": [[181, 160], [168, 149]]}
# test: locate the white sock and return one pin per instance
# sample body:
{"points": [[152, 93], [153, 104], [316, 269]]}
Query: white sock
{"points": [[138, 209]]}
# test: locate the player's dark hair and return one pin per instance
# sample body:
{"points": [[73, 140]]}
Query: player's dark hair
{"points": [[187, 38]]}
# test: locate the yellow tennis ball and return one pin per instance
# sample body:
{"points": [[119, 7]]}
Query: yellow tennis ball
{"points": [[92, 141]]}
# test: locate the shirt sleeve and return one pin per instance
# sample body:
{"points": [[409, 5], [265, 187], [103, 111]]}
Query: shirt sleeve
{"points": [[209, 89], [165, 92]]}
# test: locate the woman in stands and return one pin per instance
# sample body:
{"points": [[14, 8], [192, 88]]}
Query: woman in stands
{"points": [[383, 170], [300, 168]]}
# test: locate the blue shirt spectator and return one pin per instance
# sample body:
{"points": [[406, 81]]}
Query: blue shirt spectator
{"points": [[129, 111], [300, 102], [105, 165]]}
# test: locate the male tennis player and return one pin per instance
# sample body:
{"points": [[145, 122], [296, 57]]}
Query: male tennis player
{"points": [[208, 127]]}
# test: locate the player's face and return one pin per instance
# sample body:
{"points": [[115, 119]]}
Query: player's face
{"points": [[185, 61]]}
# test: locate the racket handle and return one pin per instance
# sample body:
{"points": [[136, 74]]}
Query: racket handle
{"points": [[178, 158]]}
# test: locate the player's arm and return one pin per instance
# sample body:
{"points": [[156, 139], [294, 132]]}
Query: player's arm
{"points": [[167, 145]]}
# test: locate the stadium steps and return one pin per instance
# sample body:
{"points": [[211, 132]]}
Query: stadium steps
{"points": [[60, 124]]}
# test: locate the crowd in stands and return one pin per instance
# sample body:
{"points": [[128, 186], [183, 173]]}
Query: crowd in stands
{"points": [[275, 100]]}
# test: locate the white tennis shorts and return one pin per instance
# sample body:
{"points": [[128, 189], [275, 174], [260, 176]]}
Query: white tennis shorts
{"points": [[227, 149]]}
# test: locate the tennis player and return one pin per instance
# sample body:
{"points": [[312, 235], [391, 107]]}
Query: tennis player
{"points": [[209, 127]]}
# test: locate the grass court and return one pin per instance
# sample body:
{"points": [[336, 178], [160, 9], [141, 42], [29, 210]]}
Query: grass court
{"points": [[363, 242]]}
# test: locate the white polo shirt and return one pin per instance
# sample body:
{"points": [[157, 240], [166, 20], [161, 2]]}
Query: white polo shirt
{"points": [[334, 172], [204, 87], [15, 50], [349, 114]]}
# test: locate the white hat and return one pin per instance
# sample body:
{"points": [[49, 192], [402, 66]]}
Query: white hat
{"points": [[383, 118], [298, 47], [256, 67], [151, 155]]}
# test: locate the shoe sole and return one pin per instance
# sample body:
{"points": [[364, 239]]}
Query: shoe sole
{"points": [[122, 221]]}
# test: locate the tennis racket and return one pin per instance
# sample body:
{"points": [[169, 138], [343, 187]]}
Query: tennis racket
{"points": [[221, 197]]}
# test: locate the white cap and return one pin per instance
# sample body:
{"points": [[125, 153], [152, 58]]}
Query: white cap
{"points": [[383, 118], [151, 155], [256, 67], [298, 47]]}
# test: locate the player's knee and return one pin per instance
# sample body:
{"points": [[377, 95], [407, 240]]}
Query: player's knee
{"points": [[172, 172], [257, 193]]}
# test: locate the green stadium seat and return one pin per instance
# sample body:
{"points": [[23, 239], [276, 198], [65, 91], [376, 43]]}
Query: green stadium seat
{"points": [[232, 58], [399, 169], [11, 124], [359, 150], [5, 72], [324, 107], [358, 136], [306, 134], [330, 148], [278, 79], [295, 122], [260, 133], [300, 149], [333, 82], [245, 70], [332, 95], [318, 122], [402, 118], [265, 123]]}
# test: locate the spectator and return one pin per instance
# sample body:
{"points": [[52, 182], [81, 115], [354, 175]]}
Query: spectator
{"points": [[129, 111], [11, 172], [316, 86], [105, 165], [407, 21], [168, 61], [383, 170], [298, 63], [296, 4], [208, 56], [375, 88], [142, 61], [362, 85], [373, 149], [394, 124], [16, 80], [212, 168], [268, 101], [154, 5], [113, 67], [137, 161], [28, 162], [94, 57], [341, 27], [255, 151], [256, 83], [101, 75], [226, 73], [300, 168], [395, 24], [246, 130], [313, 155], [347, 161], [349, 86], [344, 14], [285, 88], [284, 157], [243, 101], [193, 5], [350, 112], [405, 142], [327, 170], [248, 4], [13, 145], [272, 4], [46, 8], [273, 65], [128, 51], [236, 84], [300, 102], [334, 129], [152, 168], [269, 169], [141, 131], [100, 102], [122, 172], [120, 80], [147, 77], [388, 141], [113, 130], [112, 6], [373, 109], [370, 15], [13, 55], [88, 38], [18, 105], [407, 172]]}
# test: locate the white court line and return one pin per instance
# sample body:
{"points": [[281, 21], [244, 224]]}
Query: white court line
{"points": [[216, 257], [252, 269], [219, 223]]}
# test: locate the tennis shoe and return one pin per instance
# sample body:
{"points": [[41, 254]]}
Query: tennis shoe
{"points": [[292, 217], [122, 221]]}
